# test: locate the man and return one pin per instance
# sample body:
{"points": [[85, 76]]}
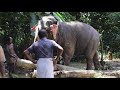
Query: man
{"points": [[2, 60], [43, 49], [11, 55]]}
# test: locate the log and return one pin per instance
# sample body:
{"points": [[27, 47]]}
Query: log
{"points": [[62, 71], [71, 72], [34, 74], [83, 74], [80, 74], [26, 64], [57, 68]]}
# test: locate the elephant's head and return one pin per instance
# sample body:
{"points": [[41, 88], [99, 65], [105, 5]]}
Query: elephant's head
{"points": [[50, 24]]}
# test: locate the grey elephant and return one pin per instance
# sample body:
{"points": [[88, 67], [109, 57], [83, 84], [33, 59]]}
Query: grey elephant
{"points": [[75, 37]]}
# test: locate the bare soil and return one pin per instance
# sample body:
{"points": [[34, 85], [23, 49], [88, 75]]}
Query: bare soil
{"points": [[109, 64]]}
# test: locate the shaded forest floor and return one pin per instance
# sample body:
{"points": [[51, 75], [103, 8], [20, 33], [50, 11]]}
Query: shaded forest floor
{"points": [[109, 65]]}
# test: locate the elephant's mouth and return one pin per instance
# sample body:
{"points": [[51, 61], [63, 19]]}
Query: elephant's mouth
{"points": [[51, 35]]}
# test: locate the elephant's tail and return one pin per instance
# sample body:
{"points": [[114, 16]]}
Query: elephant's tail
{"points": [[101, 44]]}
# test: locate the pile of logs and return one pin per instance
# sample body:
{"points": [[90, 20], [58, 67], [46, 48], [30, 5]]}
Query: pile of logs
{"points": [[71, 72], [62, 71]]}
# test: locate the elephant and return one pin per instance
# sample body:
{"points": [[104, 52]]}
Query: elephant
{"points": [[76, 38]]}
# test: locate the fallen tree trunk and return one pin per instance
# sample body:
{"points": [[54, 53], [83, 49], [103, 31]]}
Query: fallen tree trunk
{"points": [[62, 71], [71, 72], [26, 64], [83, 74], [57, 68]]}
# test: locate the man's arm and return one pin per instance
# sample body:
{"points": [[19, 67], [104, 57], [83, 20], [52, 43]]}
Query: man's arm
{"points": [[10, 51], [27, 54], [28, 51], [59, 53], [59, 50]]}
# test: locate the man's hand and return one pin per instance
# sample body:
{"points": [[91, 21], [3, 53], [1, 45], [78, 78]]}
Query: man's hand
{"points": [[35, 61], [55, 60], [29, 57]]}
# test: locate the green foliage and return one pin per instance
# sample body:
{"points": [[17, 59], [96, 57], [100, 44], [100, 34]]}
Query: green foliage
{"points": [[17, 25], [107, 23], [67, 16]]}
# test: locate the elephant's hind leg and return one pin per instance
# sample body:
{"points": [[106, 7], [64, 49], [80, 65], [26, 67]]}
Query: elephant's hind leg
{"points": [[96, 61]]}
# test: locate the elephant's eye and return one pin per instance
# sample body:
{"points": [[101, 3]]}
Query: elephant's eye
{"points": [[48, 23]]}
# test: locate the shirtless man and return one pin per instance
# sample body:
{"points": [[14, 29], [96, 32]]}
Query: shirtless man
{"points": [[11, 54]]}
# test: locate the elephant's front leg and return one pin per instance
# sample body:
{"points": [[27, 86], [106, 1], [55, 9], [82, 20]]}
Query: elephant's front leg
{"points": [[68, 54], [67, 59]]}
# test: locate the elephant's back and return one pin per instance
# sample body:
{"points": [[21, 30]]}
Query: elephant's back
{"points": [[85, 35], [78, 34], [77, 26]]}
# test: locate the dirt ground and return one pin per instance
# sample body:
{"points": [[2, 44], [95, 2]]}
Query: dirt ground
{"points": [[109, 64]]}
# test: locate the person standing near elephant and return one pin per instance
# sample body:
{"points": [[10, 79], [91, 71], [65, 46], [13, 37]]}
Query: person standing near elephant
{"points": [[43, 49], [2, 60], [11, 55]]}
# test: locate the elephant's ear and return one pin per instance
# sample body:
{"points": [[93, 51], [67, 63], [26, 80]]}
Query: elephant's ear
{"points": [[54, 29]]}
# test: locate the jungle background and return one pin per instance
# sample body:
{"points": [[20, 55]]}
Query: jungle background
{"points": [[17, 25]]}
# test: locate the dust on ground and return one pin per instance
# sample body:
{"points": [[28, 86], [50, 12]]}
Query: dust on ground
{"points": [[78, 65]]}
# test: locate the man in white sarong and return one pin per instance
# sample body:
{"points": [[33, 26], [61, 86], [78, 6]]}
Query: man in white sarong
{"points": [[43, 49]]}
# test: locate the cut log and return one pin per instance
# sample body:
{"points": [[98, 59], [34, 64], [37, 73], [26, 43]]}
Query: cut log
{"points": [[71, 72], [80, 74], [34, 74], [26, 64], [62, 71], [83, 74]]}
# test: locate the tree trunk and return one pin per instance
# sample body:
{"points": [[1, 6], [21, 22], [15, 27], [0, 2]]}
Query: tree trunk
{"points": [[26, 64], [71, 72]]}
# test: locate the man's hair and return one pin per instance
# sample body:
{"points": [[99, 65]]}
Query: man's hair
{"points": [[8, 38], [42, 33]]}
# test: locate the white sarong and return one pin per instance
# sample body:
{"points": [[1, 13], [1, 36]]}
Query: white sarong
{"points": [[45, 68]]}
